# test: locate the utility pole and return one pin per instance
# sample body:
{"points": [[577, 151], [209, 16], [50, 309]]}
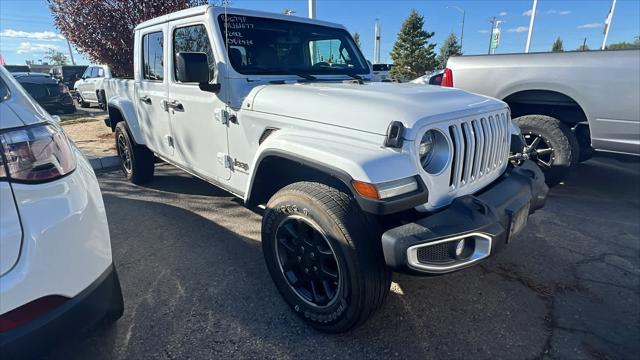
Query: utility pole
{"points": [[312, 9], [463, 14], [70, 53], [533, 17], [376, 44], [607, 25], [492, 20], [584, 44], [495, 37]]}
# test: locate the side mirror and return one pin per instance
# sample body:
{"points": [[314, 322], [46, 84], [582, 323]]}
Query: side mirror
{"points": [[84, 77], [193, 67]]}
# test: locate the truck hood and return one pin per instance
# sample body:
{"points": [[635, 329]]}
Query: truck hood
{"points": [[370, 107]]}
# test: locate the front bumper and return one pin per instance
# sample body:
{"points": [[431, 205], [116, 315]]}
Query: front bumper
{"points": [[101, 300], [486, 221]]}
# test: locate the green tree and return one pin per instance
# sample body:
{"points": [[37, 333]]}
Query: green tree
{"points": [[557, 45], [450, 47], [356, 39], [624, 45], [55, 57], [412, 53]]}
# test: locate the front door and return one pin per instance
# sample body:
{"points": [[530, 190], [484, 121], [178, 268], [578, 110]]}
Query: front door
{"points": [[200, 139], [152, 90]]}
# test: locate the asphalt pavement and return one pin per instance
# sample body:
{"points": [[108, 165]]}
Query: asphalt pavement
{"points": [[195, 284]]}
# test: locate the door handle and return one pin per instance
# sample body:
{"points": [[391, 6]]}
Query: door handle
{"points": [[175, 105], [145, 99]]}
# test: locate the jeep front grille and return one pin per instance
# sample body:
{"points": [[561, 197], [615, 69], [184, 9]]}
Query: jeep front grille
{"points": [[480, 147]]}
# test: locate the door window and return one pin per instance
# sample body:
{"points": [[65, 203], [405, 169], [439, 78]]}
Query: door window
{"points": [[94, 72], [152, 56], [193, 39]]}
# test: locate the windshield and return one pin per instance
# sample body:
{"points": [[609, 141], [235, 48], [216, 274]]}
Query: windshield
{"points": [[70, 71], [277, 47]]}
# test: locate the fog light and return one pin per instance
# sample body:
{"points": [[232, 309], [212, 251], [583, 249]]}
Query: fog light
{"points": [[460, 248]]}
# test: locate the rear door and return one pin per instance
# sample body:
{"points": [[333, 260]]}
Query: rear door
{"points": [[152, 90], [200, 139]]}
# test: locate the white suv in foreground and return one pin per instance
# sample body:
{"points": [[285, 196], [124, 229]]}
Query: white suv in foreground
{"points": [[57, 276]]}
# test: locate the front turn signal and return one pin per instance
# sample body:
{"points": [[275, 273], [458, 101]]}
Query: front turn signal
{"points": [[366, 190]]}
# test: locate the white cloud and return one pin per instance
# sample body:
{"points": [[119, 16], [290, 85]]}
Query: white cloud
{"points": [[528, 12], [504, 13], [590, 26], [556, 12], [483, 31], [27, 47], [36, 35], [519, 29]]}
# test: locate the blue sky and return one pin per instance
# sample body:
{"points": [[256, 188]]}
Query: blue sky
{"points": [[27, 30]]}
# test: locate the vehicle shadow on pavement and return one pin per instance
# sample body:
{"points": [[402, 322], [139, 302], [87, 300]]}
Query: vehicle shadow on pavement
{"points": [[195, 285]]}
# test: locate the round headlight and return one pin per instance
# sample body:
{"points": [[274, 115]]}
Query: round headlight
{"points": [[433, 151], [426, 148]]}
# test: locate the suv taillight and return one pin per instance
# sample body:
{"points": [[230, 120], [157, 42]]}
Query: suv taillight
{"points": [[36, 153], [447, 78]]}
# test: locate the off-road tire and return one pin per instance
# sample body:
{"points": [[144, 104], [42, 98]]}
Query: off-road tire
{"points": [[354, 239], [566, 150], [140, 168]]}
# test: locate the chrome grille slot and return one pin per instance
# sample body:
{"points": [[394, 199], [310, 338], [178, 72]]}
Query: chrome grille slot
{"points": [[480, 147]]}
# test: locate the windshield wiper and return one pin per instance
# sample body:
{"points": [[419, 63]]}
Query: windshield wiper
{"points": [[300, 74]]}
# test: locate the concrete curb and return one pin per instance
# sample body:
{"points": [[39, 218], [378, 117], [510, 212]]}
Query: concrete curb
{"points": [[106, 162]]}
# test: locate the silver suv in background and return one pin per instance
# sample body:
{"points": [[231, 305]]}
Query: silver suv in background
{"points": [[567, 104]]}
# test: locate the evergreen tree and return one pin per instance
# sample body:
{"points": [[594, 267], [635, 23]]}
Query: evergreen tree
{"points": [[356, 39], [450, 47], [412, 53], [557, 45]]}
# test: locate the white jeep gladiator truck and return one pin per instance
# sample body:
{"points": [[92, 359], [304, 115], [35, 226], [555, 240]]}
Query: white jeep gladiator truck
{"points": [[358, 178]]}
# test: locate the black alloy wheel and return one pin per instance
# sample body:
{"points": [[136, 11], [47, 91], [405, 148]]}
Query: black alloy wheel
{"points": [[124, 153], [307, 261]]}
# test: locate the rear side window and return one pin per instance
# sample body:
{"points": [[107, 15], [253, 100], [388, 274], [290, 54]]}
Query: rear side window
{"points": [[100, 72], [193, 39], [152, 56]]}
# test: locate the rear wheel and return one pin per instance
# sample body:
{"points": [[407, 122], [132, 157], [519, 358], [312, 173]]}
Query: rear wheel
{"points": [[136, 161], [323, 256], [551, 143]]}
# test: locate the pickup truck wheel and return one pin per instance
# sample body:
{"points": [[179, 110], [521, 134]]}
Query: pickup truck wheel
{"points": [[136, 161], [322, 254], [83, 104], [552, 144]]}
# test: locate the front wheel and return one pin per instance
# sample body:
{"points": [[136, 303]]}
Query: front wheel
{"points": [[324, 256], [136, 161], [552, 144]]}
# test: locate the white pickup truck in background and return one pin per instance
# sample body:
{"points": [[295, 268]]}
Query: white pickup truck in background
{"points": [[358, 178], [566, 103], [89, 88]]}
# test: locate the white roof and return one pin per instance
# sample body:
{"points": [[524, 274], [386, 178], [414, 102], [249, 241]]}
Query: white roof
{"points": [[217, 10]]}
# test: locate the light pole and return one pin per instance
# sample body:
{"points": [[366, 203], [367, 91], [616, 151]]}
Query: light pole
{"points": [[462, 31], [312, 9], [607, 25], [533, 18]]}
